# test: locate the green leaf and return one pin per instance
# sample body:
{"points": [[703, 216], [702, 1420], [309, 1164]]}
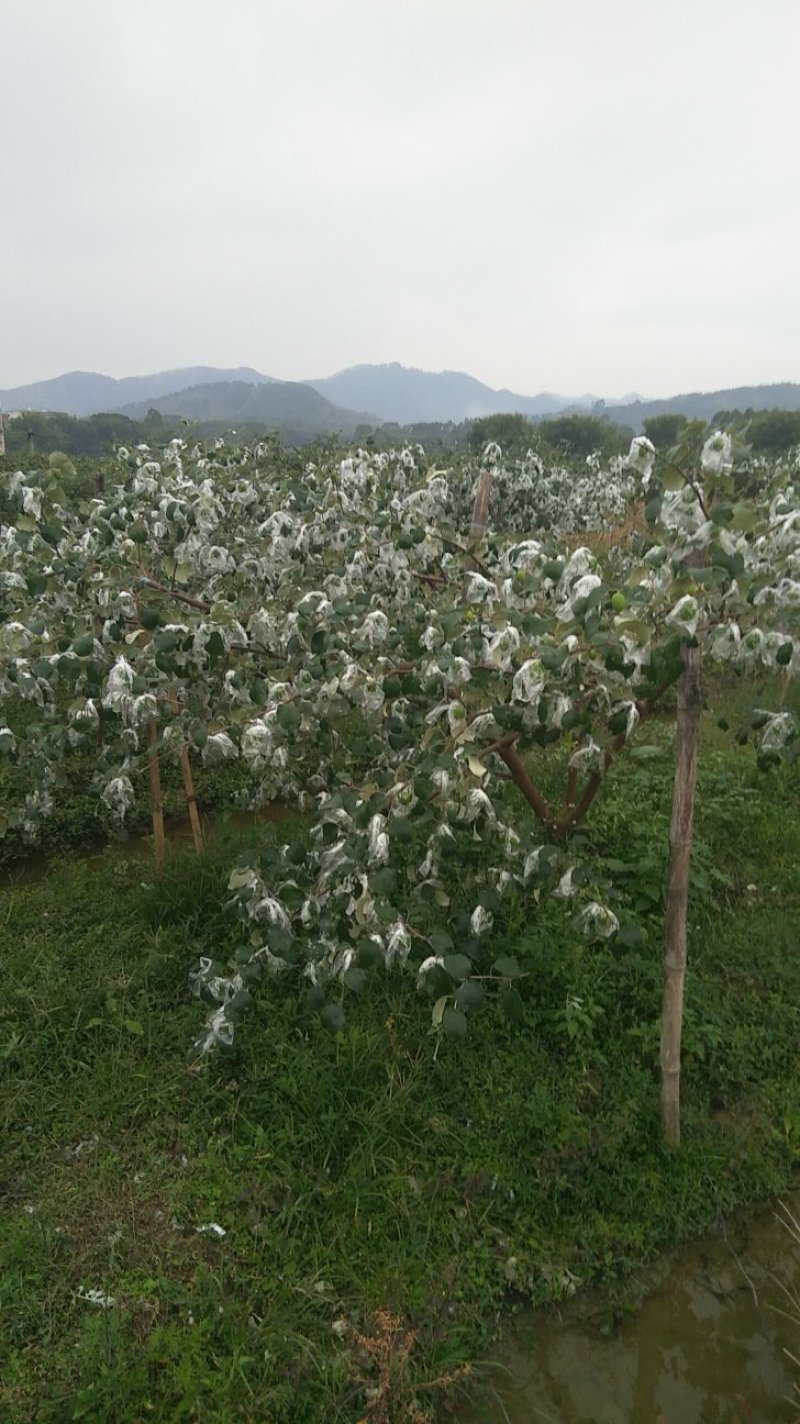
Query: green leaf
{"points": [[355, 979], [332, 1017], [744, 519], [672, 479], [553, 569], [469, 995], [440, 942], [383, 882], [288, 716], [507, 967], [454, 1023], [458, 966], [722, 514], [215, 646], [241, 999]]}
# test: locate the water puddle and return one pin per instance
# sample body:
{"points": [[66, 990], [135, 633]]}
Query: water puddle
{"points": [[707, 1345]]}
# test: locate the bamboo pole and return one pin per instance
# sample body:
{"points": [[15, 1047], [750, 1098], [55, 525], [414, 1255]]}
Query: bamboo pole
{"points": [[677, 901], [155, 796], [188, 785]]}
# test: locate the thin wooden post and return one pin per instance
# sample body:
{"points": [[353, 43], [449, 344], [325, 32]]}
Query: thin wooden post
{"points": [[479, 512], [677, 901], [155, 796], [188, 785]]}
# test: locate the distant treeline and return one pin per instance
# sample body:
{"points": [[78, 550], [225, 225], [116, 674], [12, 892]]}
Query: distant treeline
{"points": [[570, 436], [103, 434], [92, 435]]}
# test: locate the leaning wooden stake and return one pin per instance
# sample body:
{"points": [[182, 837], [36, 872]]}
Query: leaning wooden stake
{"points": [[680, 852], [188, 786], [478, 524], [155, 796], [479, 511]]}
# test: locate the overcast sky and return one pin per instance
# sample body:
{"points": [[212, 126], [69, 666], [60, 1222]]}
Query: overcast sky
{"points": [[588, 195]]}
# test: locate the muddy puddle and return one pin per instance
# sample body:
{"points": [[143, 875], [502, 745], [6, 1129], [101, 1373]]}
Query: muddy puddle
{"points": [[705, 1339]]}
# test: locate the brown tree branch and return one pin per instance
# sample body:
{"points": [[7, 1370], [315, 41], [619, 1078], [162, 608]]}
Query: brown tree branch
{"points": [[505, 748], [182, 597]]}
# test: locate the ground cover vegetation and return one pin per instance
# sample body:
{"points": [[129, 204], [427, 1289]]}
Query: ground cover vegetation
{"points": [[448, 675]]}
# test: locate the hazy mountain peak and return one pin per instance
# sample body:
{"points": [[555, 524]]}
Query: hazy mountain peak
{"points": [[406, 394], [88, 392]]}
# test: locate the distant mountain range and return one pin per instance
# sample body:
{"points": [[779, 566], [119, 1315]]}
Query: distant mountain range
{"points": [[406, 396], [87, 393], [387, 393], [360, 396], [704, 405]]}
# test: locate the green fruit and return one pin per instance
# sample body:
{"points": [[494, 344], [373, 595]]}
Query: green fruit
{"points": [[618, 602]]}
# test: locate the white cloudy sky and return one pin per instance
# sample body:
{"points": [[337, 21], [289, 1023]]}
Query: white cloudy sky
{"points": [[581, 195]]}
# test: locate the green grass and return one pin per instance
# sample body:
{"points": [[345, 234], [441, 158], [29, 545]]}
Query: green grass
{"points": [[365, 1175]]}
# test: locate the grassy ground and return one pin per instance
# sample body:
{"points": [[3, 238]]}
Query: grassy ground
{"points": [[381, 1204]]}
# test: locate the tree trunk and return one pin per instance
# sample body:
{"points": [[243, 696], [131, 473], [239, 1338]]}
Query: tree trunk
{"points": [[680, 852]]}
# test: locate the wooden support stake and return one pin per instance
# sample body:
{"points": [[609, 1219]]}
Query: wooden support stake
{"points": [[680, 852], [155, 796], [479, 512], [188, 785]]}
